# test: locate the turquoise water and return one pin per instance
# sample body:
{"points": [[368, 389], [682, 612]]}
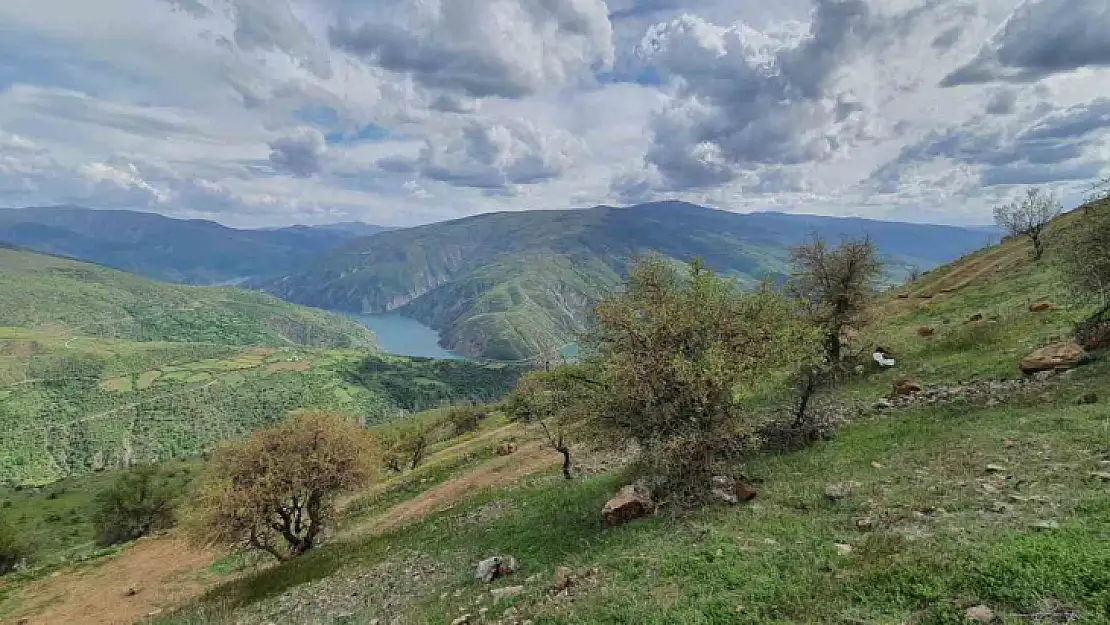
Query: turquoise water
{"points": [[403, 336]]}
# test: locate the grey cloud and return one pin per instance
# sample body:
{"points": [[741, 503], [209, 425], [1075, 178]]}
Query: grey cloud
{"points": [[300, 153], [1002, 102], [948, 38], [484, 49], [1040, 39], [748, 99], [271, 25], [192, 7], [490, 155], [1047, 147]]}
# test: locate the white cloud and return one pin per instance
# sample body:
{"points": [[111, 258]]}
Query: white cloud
{"points": [[263, 112]]}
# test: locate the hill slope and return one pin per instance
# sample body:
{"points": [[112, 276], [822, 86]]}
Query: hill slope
{"points": [[512, 285], [38, 290], [175, 250]]}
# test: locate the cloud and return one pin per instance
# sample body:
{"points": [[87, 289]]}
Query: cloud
{"points": [[300, 153], [492, 156], [484, 48], [746, 99], [1002, 102], [1041, 38]]}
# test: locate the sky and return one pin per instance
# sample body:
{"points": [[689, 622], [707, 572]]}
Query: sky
{"points": [[401, 112]]}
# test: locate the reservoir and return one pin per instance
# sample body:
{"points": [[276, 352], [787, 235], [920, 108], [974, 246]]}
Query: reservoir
{"points": [[403, 336]]}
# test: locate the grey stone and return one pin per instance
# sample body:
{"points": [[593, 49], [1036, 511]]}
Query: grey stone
{"points": [[979, 614], [506, 592]]}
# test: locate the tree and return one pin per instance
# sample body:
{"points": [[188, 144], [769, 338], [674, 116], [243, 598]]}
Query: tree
{"points": [[1085, 260], [275, 490], [139, 502], [1029, 217], [13, 552], [837, 285], [676, 357]]}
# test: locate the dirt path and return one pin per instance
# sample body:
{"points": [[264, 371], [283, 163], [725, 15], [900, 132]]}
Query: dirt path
{"points": [[501, 471], [163, 570]]}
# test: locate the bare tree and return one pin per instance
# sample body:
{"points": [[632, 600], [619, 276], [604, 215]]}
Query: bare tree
{"points": [[837, 284], [1029, 217], [275, 490], [558, 444]]}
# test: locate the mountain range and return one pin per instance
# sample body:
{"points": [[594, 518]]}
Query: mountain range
{"points": [[175, 250], [514, 285]]}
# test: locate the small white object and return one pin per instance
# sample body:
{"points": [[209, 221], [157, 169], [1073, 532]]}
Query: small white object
{"points": [[883, 359]]}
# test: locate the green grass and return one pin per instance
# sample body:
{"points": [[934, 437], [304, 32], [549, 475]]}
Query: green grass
{"points": [[73, 406], [45, 291], [939, 543]]}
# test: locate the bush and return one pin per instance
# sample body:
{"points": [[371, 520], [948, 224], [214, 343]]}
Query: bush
{"points": [[275, 491], [674, 357], [139, 502], [13, 553], [465, 419]]}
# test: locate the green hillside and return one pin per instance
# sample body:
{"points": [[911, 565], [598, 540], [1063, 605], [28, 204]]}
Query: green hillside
{"points": [[514, 285], [949, 507], [40, 291]]}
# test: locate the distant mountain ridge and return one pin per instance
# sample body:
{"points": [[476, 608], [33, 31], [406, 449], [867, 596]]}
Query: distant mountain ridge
{"points": [[513, 285], [162, 248]]}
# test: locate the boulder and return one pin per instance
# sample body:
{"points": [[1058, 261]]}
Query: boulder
{"points": [[975, 318], [904, 386], [925, 332], [564, 578], [1037, 307], [1097, 337], [629, 504], [494, 568], [840, 490], [1055, 357], [979, 614], [506, 449]]}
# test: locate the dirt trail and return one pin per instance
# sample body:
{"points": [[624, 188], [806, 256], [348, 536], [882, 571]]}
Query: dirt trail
{"points": [[164, 571], [501, 471]]}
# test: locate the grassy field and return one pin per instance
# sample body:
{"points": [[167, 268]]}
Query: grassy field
{"points": [[47, 292], [70, 405], [950, 506]]}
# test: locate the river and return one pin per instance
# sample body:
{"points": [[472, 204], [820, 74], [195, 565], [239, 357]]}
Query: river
{"points": [[404, 336]]}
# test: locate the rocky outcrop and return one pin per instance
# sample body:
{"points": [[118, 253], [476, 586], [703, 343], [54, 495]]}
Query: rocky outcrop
{"points": [[495, 567], [629, 504], [1055, 357]]}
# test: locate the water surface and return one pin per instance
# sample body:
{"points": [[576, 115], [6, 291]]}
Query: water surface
{"points": [[403, 336]]}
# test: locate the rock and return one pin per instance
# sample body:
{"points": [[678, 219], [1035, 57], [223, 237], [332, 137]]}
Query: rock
{"points": [[995, 468], [506, 449], [629, 504], [975, 318], [1097, 337], [1055, 357], [730, 491], [904, 386], [154, 612], [462, 620], [840, 490], [1043, 376], [564, 578], [506, 593], [903, 296], [1046, 525], [494, 568], [1089, 398], [865, 524], [883, 404], [979, 614], [23, 621], [1038, 307], [925, 332], [876, 465], [843, 549], [1101, 475], [131, 592]]}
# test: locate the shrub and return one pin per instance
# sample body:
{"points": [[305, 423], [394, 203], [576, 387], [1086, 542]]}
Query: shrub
{"points": [[275, 491], [1085, 261], [13, 552], [465, 419], [675, 356], [139, 502]]}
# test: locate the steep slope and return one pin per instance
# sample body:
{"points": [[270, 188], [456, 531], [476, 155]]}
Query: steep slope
{"points": [[175, 250], [38, 290], [513, 285]]}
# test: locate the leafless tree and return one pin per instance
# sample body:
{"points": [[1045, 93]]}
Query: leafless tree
{"points": [[558, 444], [1029, 217]]}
